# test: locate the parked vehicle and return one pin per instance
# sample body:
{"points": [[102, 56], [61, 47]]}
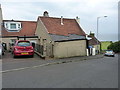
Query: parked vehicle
{"points": [[109, 53], [22, 48]]}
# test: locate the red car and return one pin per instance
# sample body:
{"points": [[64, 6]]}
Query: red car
{"points": [[23, 47]]}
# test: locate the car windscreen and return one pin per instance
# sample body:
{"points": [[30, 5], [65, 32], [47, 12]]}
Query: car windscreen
{"points": [[23, 44], [109, 51]]}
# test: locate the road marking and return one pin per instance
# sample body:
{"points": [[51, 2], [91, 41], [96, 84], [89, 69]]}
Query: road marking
{"points": [[40, 65], [11, 70], [5, 71]]}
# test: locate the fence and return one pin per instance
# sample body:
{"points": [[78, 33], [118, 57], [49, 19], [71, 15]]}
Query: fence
{"points": [[39, 48]]}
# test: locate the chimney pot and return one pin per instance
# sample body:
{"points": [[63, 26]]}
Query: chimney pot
{"points": [[78, 19], [46, 14]]}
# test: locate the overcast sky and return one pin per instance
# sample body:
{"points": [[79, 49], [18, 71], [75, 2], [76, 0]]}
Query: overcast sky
{"points": [[86, 10]]}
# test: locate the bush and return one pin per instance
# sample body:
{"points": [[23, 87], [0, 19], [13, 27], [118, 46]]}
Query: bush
{"points": [[115, 46]]}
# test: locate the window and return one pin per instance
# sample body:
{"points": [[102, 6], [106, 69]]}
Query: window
{"points": [[13, 26], [23, 44]]}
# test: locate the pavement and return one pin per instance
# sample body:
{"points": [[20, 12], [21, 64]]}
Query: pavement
{"points": [[73, 59]]}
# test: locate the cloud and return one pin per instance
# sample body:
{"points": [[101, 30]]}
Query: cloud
{"points": [[87, 10], [22, 11], [67, 7], [81, 1]]}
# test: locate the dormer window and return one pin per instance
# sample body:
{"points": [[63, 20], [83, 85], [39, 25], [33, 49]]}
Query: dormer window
{"points": [[12, 26]]}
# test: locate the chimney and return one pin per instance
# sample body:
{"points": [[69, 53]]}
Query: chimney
{"points": [[62, 20], [92, 34], [78, 20], [45, 14]]}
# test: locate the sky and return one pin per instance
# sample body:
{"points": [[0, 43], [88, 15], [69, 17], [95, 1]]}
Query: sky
{"points": [[86, 10]]}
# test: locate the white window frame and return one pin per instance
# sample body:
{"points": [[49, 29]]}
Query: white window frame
{"points": [[9, 29]]}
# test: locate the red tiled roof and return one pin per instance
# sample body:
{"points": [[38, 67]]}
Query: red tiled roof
{"points": [[28, 29], [54, 26]]}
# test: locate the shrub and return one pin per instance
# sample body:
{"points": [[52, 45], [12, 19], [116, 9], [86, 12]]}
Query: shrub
{"points": [[115, 46]]}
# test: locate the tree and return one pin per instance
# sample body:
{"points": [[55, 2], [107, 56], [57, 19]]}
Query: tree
{"points": [[115, 46]]}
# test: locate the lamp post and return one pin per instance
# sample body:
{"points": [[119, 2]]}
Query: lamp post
{"points": [[97, 30]]}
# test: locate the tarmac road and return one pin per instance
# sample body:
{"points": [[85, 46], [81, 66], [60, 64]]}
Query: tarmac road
{"points": [[94, 73]]}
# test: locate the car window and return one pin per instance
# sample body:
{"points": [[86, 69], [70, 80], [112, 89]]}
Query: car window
{"points": [[23, 44], [109, 51]]}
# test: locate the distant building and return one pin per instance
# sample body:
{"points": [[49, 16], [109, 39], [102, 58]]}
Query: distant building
{"points": [[94, 42]]}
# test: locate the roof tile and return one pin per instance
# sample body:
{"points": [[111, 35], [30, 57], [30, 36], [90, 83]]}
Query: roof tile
{"points": [[54, 26]]}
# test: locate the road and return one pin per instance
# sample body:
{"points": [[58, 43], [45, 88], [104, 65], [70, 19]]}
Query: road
{"points": [[95, 73]]}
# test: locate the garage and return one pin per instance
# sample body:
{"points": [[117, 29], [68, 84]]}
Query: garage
{"points": [[69, 48]]}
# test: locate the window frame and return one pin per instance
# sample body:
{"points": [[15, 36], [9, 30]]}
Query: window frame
{"points": [[18, 27]]}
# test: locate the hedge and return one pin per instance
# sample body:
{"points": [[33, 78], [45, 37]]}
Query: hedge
{"points": [[115, 46]]}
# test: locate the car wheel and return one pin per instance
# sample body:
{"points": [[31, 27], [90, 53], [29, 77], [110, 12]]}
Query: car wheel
{"points": [[32, 56], [11, 52], [113, 56], [3, 53], [14, 56]]}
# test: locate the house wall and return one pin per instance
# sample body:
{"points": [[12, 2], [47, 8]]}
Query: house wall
{"points": [[70, 49], [7, 41], [97, 47], [44, 39], [42, 33]]}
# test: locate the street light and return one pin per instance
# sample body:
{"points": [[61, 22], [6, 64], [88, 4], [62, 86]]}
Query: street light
{"points": [[97, 30]]}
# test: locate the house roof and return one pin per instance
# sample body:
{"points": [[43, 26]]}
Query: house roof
{"points": [[70, 37], [93, 41], [28, 29], [70, 26]]}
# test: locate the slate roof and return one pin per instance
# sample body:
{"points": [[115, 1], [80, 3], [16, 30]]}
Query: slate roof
{"points": [[28, 29], [69, 37], [54, 26]]}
